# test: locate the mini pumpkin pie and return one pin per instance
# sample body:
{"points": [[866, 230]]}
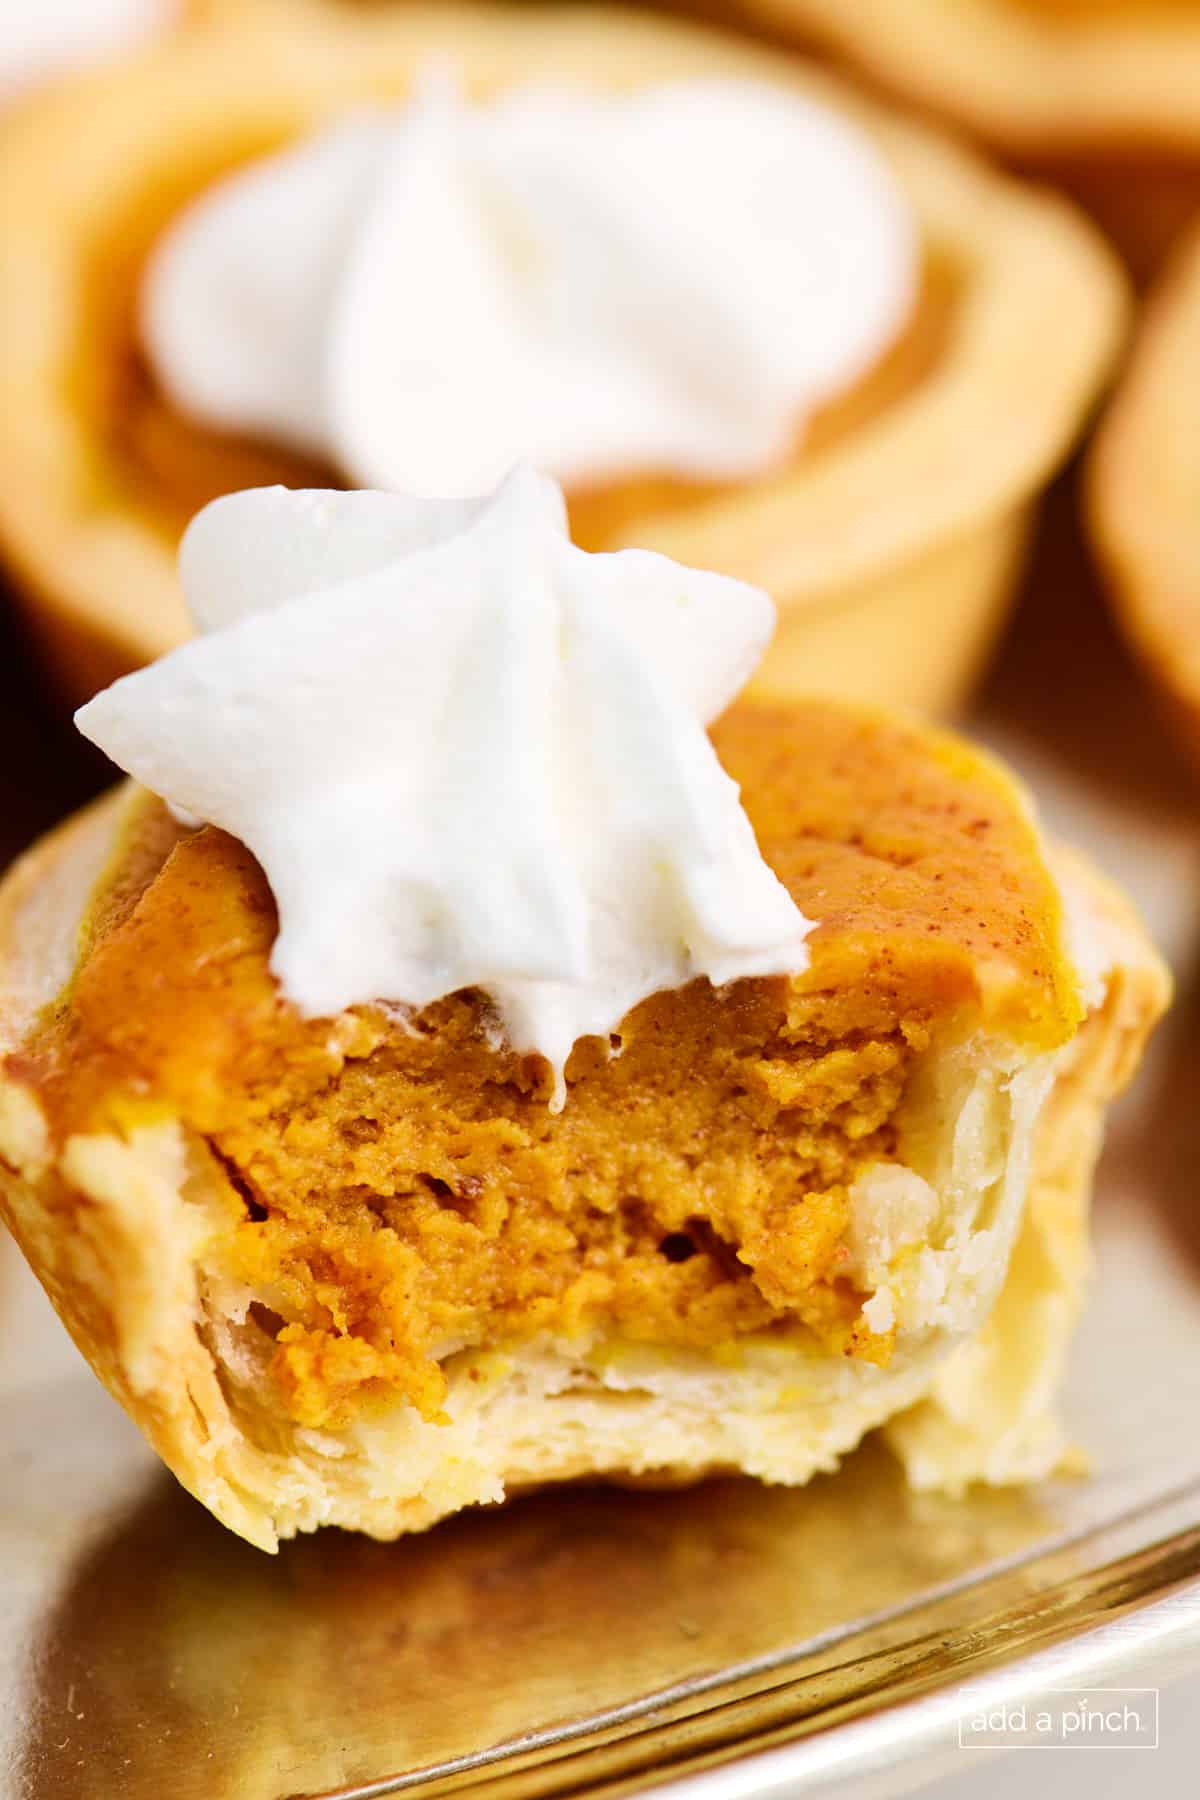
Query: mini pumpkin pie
{"points": [[884, 516], [1143, 491], [536, 1086], [1098, 94]]}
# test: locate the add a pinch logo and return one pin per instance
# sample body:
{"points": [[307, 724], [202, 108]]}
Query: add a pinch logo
{"points": [[1062, 1719]]}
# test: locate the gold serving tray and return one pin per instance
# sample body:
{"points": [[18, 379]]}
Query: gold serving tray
{"points": [[726, 1641]]}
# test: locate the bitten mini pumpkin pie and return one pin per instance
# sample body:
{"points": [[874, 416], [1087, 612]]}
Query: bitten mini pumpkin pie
{"points": [[1143, 491], [888, 531], [535, 1086], [1097, 94]]}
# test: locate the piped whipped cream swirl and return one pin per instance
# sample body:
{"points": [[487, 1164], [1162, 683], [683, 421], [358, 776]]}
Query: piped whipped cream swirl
{"points": [[669, 282], [466, 754]]}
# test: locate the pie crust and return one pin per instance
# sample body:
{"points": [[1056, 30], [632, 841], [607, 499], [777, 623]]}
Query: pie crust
{"points": [[1099, 95], [1143, 491], [904, 527]]}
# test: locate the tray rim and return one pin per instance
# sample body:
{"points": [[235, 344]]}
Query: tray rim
{"points": [[741, 1735]]}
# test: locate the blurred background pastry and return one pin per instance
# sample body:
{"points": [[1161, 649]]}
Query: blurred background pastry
{"points": [[1144, 492], [1097, 95], [899, 511]]}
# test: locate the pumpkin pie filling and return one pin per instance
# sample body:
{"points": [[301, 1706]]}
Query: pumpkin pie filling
{"points": [[170, 465], [395, 1187]]}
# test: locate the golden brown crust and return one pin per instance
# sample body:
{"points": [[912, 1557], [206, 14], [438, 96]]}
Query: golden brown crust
{"points": [[859, 521], [1143, 492], [985, 1415], [1028, 75]]}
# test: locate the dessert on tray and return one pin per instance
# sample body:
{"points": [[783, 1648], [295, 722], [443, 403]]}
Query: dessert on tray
{"points": [[1144, 491], [453, 1069], [405, 246]]}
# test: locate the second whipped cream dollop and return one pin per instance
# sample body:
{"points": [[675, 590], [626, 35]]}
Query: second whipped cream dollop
{"points": [[668, 282], [466, 754]]}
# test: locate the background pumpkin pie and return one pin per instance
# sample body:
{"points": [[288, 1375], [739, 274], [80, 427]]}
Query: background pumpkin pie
{"points": [[1098, 94], [1143, 492], [900, 523]]}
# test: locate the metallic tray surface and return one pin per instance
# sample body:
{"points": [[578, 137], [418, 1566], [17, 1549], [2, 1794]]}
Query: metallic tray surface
{"points": [[725, 1640]]}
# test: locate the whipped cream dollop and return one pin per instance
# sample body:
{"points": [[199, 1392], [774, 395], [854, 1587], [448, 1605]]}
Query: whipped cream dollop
{"points": [[604, 286], [39, 38], [466, 754]]}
